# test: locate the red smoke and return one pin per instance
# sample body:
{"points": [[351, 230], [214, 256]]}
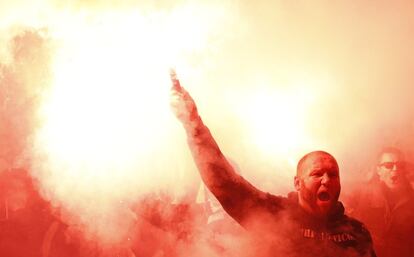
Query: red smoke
{"points": [[352, 59]]}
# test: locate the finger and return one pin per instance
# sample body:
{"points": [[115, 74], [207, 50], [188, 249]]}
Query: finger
{"points": [[175, 82]]}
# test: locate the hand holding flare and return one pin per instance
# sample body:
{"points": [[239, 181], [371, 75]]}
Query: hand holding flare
{"points": [[182, 104], [175, 82]]}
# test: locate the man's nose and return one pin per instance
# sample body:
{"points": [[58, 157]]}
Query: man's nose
{"points": [[325, 178]]}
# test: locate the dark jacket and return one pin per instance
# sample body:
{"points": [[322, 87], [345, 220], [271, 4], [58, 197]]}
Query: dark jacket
{"points": [[392, 226]]}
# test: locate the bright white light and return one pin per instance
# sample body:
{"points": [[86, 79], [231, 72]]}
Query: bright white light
{"points": [[276, 121], [276, 118], [107, 115]]}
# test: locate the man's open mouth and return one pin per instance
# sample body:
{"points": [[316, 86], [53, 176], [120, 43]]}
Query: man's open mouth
{"points": [[324, 196]]}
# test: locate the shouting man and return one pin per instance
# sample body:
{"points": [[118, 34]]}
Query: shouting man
{"points": [[309, 222]]}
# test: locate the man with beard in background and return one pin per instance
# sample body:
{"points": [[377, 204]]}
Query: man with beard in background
{"points": [[386, 205], [309, 222]]}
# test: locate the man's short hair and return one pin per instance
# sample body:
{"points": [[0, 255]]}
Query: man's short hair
{"points": [[390, 149]]}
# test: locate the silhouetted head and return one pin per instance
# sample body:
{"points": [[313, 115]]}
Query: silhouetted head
{"points": [[317, 182]]}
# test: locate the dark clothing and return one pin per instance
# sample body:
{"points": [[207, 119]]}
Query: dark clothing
{"points": [[340, 235], [392, 226], [281, 227]]}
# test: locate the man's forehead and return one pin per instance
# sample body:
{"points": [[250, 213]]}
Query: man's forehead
{"points": [[389, 157], [321, 161], [316, 160]]}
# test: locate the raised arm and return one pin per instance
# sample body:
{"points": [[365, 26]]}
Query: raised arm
{"points": [[237, 196]]}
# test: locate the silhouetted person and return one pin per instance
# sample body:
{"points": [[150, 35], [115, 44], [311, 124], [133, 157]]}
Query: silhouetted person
{"points": [[386, 205], [27, 227], [165, 224], [310, 222]]}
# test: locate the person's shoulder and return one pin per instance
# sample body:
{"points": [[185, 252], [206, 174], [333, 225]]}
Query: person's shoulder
{"points": [[290, 199], [356, 226], [274, 203], [353, 221], [361, 235]]}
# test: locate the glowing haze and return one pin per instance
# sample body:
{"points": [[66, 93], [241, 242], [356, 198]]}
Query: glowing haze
{"points": [[272, 80]]}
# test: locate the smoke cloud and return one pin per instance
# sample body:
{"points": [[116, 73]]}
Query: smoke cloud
{"points": [[84, 101]]}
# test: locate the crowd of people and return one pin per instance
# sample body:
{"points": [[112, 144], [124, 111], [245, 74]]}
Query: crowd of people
{"points": [[164, 226], [311, 221]]}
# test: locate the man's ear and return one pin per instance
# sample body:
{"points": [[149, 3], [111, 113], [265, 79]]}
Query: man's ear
{"points": [[297, 183]]}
